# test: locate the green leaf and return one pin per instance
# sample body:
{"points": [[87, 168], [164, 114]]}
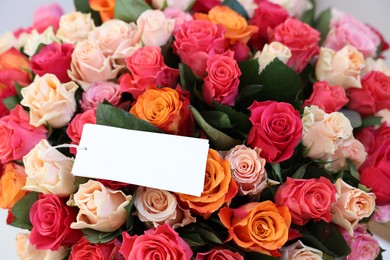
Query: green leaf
{"points": [[11, 102], [353, 116], [371, 121], [80, 180], [276, 169], [112, 116], [188, 79], [250, 73], [220, 140], [280, 83], [240, 120], [236, 6], [97, 237], [217, 118], [209, 235], [130, 10], [21, 211], [352, 169], [130, 218], [364, 187], [308, 16], [18, 89], [322, 24], [248, 94], [300, 172], [83, 6], [193, 239]]}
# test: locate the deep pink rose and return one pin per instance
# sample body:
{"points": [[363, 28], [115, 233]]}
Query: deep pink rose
{"points": [[161, 243], [54, 58], [276, 129], [382, 214], [204, 6], [300, 38], [215, 254], [196, 40], [98, 92], [307, 200], [17, 136], [241, 51], [82, 249], [328, 98], [51, 219], [373, 96], [221, 83], [47, 15], [75, 127]]}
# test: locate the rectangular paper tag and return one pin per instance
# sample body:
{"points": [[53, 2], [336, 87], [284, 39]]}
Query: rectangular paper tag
{"points": [[167, 162]]}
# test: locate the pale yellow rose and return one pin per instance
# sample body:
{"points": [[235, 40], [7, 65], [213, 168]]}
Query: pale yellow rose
{"points": [[341, 68], [299, 251], [50, 102], [101, 208], [376, 65], [155, 28], [270, 52], [351, 206], [34, 39], [385, 116], [177, 4], [27, 251], [311, 114], [7, 41], [48, 171], [294, 8], [74, 27]]}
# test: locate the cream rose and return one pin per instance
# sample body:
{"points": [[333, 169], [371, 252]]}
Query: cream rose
{"points": [[155, 28], [26, 251], [385, 115], [177, 4], [101, 208], [351, 206], [7, 41], [294, 8], [299, 251], [376, 65], [34, 39], [159, 207], [50, 102], [342, 68], [74, 27], [48, 171], [270, 52]]}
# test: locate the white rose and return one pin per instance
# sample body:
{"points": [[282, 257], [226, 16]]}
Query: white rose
{"points": [[74, 27], [34, 39], [178, 4], [270, 52], [294, 8], [375, 65], [7, 41]]}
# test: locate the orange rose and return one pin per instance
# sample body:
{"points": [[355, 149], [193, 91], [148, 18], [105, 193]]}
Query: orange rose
{"points": [[104, 7], [219, 187], [257, 226], [11, 184], [165, 108], [237, 28]]}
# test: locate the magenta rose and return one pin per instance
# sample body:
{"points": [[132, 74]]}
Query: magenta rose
{"points": [[373, 96], [328, 98], [276, 129], [221, 83], [54, 58], [204, 6], [216, 253], [307, 200], [82, 249], [98, 92], [17, 136], [51, 219], [300, 38], [161, 243]]}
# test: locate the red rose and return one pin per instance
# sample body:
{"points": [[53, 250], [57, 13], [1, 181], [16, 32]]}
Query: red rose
{"points": [[51, 220], [221, 83], [54, 58], [373, 96], [216, 253], [328, 98], [204, 6], [276, 129], [17, 136], [307, 199], [300, 38], [85, 250], [162, 243]]}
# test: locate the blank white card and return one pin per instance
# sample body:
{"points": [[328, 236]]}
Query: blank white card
{"points": [[167, 162]]}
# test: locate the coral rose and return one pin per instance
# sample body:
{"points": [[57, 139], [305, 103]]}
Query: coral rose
{"points": [[82, 249], [12, 181], [75, 127]]}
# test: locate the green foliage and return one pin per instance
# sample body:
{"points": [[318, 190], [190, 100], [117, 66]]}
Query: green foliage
{"points": [[21, 211], [83, 6], [353, 116], [130, 10], [371, 121], [322, 24], [11, 102], [239, 120], [236, 6], [97, 237], [308, 16]]}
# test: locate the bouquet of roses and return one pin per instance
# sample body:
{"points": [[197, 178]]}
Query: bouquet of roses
{"points": [[296, 109]]}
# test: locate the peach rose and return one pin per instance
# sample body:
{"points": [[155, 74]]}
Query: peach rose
{"points": [[219, 187], [34, 39], [270, 52], [101, 208], [375, 65], [257, 226], [159, 207], [48, 171], [342, 68], [11, 183], [74, 27], [352, 205], [299, 251], [50, 102]]}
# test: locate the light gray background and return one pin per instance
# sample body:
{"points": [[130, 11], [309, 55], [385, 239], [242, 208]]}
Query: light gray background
{"points": [[18, 13]]}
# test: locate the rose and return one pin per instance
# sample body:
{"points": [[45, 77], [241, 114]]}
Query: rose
{"points": [[48, 171], [375, 65], [12, 181], [7, 41], [50, 102], [373, 96], [384, 114], [54, 58], [204, 6], [161, 243], [299, 251], [159, 207], [270, 52], [307, 200], [363, 245], [50, 219], [177, 4], [276, 129], [219, 187], [179, 16], [26, 251], [300, 38], [47, 15], [221, 83], [74, 27], [250, 6], [75, 127], [295, 8], [165, 108], [105, 8], [100, 208], [216, 253], [82, 249], [382, 214], [257, 226], [98, 92], [34, 39], [351, 206], [17, 136], [326, 97], [347, 30], [154, 27]]}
